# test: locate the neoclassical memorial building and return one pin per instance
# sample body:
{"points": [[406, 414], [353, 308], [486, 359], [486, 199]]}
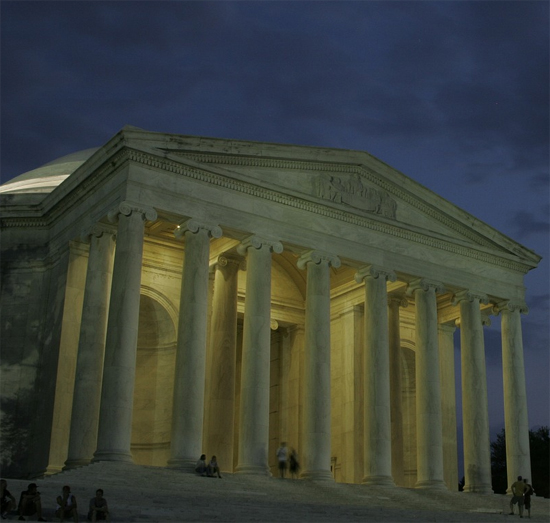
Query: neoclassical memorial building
{"points": [[165, 296]]}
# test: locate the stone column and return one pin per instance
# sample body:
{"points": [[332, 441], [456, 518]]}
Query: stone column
{"points": [[91, 347], [317, 454], [428, 386], [376, 365], [115, 418], [223, 350], [188, 405], [448, 404], [475, 406], [396, 388], [518, 461], [256, 355]]}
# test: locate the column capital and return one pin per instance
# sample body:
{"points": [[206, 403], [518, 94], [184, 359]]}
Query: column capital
{"points": [[400, 299], [510, 305], [375, 272], [448, 327], [318, 257], [127, 208], [425, 284], [470, 296], [97, 230], [194, 226], [257, 242], [231, 259]]}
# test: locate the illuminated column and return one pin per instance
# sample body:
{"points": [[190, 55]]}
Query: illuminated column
{"points": [[223, 347], [397, 449], [256, 352], [475, 406], [448, 404], [91, 347], [117, 393], [188, 405], [376, 365], [317, 420], [428, 386], [518, 461]]}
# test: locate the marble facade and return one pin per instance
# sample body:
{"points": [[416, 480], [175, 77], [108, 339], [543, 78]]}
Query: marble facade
{"points": [[165, 296]]}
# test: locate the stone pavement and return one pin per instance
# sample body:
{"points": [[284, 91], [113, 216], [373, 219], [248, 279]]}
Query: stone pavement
{"points": [[151, 494]]}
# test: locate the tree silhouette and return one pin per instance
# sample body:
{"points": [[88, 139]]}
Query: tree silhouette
{"points": [[539, 442]]}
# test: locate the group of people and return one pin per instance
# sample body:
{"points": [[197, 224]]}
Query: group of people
{"points": [[30, 504], [209, 470], [521, 494], [287, 460]]}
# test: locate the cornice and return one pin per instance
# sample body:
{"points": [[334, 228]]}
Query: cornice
{"points": [[319, 208], [150, 160]]}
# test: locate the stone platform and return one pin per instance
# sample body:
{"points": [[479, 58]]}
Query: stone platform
{"points": [[150, 494]]}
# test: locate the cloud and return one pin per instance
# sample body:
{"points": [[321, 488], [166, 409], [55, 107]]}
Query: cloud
{"points": [[527, 223]]}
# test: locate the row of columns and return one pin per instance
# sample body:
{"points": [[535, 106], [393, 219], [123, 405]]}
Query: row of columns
{"points": [[105, 373]]}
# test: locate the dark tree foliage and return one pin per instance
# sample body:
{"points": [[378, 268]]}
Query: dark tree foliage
{"points": [[539, 442], [498, 464]]}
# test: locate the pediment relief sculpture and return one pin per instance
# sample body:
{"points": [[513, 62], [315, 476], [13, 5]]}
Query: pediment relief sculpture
{"points": [[350, 190]]}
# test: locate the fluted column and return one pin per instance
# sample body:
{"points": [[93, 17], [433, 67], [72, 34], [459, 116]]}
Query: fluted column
{"points": [[317, 420], [448, 404], [91, 346], [397, 449], [188, 404], [518, 461], [254, 405], [115, 418], [376, 365], [223, 347], [428, 387], [475, 406]]}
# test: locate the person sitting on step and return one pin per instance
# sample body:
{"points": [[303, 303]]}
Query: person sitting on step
{"points": [[98, 507], [66, 505], [30, 503], [213, 468]]}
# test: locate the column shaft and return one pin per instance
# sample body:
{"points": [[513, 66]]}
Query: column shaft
{"points": [[115, 419], [91, 350], [317, 434], [448, 405], [516, 424], [397, 449], [254, 402], [223, 347], [188, 404], [428, 390], [377, 418], [475, 407]]}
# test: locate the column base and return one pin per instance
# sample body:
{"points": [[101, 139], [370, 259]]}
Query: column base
{"points": [[113, 455], [386, 481], [183, 464], [253, 470], [437, 484], [76, 463], [317, 475], [479, 489]]}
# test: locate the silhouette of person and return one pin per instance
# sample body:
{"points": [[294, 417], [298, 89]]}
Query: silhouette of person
{"points": [[282, 456]]}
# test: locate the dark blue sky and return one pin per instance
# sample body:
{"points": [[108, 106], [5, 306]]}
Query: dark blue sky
{"points": [[453, 94]]}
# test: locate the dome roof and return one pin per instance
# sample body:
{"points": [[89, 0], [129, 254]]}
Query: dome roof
{"points": [[46, 178]]}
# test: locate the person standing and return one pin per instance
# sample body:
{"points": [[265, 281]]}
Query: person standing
{"points": [[282, 456], [294, 466], [518, 489], [98, 507], [527, 497]]}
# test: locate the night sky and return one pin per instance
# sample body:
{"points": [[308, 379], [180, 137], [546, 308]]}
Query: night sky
{"points": [[452, 94]]}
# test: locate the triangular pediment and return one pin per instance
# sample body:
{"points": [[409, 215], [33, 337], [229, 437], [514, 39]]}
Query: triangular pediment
{"points": [[351, 183]]}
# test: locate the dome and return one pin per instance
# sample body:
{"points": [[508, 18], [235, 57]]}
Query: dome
{"points": [[46, 178]]}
